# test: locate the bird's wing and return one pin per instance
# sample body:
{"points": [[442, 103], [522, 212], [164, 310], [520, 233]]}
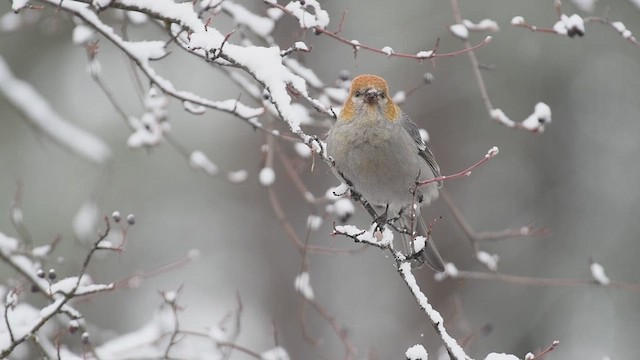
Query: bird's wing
{"points": [[423, 149]]}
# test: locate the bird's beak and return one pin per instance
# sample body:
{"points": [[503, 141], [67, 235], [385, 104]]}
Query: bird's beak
{"points": [[371, 96]]}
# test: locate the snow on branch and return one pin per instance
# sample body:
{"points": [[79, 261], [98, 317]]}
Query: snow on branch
{"points": [[39, 113], [143, 52]]}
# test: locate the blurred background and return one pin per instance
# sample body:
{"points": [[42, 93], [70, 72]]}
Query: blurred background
{"points": [[580, 178]]}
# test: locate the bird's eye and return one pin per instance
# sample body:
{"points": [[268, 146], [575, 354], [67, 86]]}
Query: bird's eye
{"points": [[381, 95], [358, 94]]}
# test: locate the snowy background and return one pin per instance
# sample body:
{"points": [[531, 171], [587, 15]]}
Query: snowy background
{"points": [[579, 178]]}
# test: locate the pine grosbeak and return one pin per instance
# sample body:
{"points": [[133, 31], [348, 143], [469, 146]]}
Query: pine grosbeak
{"points": [[379, 152]]}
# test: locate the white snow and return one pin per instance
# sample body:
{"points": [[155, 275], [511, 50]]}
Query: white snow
{"points": [[314, 222], [262, 26], [372, 236], [8, 244], [267, 176], [517, 20], [41, 251], [418, 243], [387, 50], [499, 115], [302, 150], [300, 45], [460, 31], [598, 274], [585, 5], [82, 34], [342, 208], [10, 22], [488, 260], [416, 352], [570, 25], [137, 18], [193, 108], [86, 220], [450, 271], [277, 353], [622, 29], [399, 97], [434, 316], [320, 18], [101, 3], [148, 131], [238, 176], [39, 113], [336, 192], [424, 54], [540, 117], [483, 25], [304, 72], [303, 286], [17, 5], [502, 356], [199, 161]]}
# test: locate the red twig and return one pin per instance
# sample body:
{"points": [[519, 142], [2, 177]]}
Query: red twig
{"points": [[491, 153]]}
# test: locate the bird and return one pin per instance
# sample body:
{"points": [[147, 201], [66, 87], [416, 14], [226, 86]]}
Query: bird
{"points": [[377, 150]]}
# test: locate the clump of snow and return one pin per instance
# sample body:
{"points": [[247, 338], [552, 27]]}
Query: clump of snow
{"points": [[502, 356], [416, 352], [300, 45], [307, 20], [267, 176], [399, 97], [418, 243], [277, 353], [17, 5], [101, 4], [314, 222], [147, 131], [343, 208], [8, 244], [570, 25], [86, 220], [492, 152], [372, 236], [302, 150], [136, 17], [10, 22], [585, 5], [336, 192], [622, 29], [540, 117], [517, 20], [263, 26], [303, 286], [483, 25], [501, 117], [488, 260], [387, 50], [450, 271], [238, 176], [424, 54], [199, 161], [193, 108], [460, 31], [598, 274], [157, 103]]}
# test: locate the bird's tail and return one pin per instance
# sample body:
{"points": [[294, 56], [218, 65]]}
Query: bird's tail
{"points": [[429, 254]]}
